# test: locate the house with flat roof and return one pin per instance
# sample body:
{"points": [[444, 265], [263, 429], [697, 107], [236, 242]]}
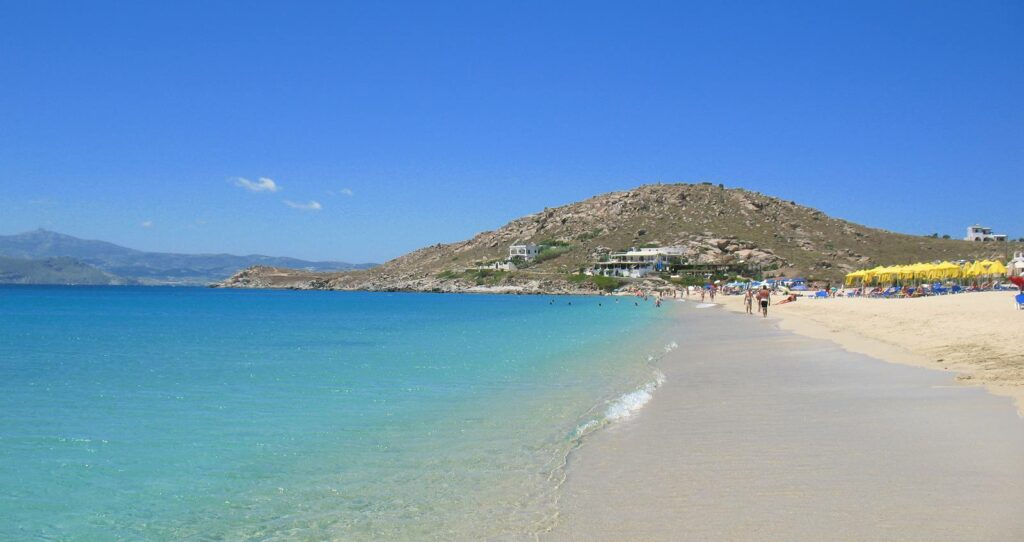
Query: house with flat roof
{"points": [[637, 263], [981, 233], [526, 252]]}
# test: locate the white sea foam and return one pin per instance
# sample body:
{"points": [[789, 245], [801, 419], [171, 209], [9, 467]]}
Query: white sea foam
{"points": [[628, 404], [706, 305]]}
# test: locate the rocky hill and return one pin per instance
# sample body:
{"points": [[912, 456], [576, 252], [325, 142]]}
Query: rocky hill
{"points": [[715, 225]]}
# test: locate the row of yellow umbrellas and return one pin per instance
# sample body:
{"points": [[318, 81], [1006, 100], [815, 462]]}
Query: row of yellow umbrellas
{"points": [[927, 272]]}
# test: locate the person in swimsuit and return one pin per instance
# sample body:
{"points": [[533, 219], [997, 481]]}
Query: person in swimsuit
{"points": [[764, 298], [748, 301]]}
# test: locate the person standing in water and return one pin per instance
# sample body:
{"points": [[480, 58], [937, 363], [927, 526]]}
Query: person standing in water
{"points": [[748, 301], [764, 298]]}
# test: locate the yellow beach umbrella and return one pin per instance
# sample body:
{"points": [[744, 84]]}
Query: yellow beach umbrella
{"points": [[889, 274], [922, 271], [997, 268], [946, 270], [983, 267], [870, 275]]}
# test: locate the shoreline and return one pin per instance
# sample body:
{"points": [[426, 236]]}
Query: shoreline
{"points": [[760, 433], [975, 335]]}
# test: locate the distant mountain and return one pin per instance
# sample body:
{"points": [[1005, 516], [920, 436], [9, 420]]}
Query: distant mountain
{"points": [[148, 267], [53, 271]]}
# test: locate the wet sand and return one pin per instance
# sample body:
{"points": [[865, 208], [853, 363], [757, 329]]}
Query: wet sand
{"points": [[761, 434]]}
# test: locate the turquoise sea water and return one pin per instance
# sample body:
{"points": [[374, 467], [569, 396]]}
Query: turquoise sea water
{"points": [[197, 414]]}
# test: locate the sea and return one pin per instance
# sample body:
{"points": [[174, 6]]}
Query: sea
{"points": [[160, 413]]}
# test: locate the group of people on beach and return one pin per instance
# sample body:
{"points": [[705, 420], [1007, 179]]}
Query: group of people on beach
{"points": [[763, 297]]}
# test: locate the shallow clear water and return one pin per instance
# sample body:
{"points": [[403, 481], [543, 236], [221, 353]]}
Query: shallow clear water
{"points": [[197, 414]]}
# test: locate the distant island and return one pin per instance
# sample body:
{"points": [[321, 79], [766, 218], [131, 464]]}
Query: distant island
{"points": [[695, 230], [47, 257]]}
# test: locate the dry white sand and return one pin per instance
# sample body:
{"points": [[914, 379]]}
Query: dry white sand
{"points": [[760, 434], [978, 335]]}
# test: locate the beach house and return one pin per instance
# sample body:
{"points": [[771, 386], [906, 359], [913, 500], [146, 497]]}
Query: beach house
{"points": [[525, 252], [981, 233], [637, 262]]}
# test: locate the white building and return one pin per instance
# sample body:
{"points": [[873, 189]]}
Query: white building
{"points": [[981, 233], [636, 263], [526, 252], [506, 265], [1015, 267]]}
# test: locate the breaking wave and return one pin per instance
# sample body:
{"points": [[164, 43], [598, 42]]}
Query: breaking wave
{"points": [[627, 404]]}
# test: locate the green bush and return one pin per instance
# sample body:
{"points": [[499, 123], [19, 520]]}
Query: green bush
{"points": [[550, 253], [600, 282]]}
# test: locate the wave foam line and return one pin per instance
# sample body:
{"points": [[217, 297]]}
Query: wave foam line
{"points": [[628, 404]]}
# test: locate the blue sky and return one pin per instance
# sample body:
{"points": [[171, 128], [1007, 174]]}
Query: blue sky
{"points": [[387, 126]]}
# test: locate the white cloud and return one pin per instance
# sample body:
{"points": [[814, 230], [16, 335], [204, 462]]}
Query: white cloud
{"points": [[263, 184], [147, 223], [346, 192], [311, 206]]}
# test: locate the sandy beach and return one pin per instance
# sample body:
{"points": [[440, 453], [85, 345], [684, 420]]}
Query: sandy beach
{"points": [[762, 434], [977, 335]]}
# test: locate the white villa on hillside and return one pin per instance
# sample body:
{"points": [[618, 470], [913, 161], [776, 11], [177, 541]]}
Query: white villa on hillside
{"points": [[526, 252], [636, 263], [981, 233]]}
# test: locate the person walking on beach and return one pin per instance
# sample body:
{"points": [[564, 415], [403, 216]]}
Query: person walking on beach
{"points": [[764, 297], [748, 301]]}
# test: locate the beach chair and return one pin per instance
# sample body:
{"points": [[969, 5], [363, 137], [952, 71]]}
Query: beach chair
{"points": [[1019, 299], [956, 289], [820, 294]]}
